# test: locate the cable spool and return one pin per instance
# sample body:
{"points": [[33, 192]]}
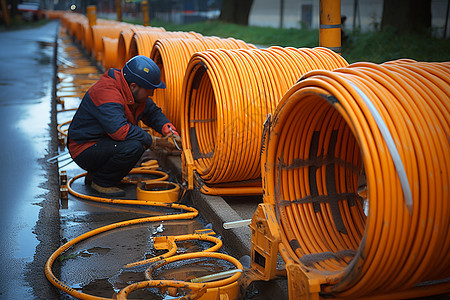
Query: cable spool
{"points": [[109, 58], [142, 41], [227, 95], [100, 31], [86, 33], [172, 56], [123, 45], [72, 23], [79, 29], [125, 39], [380, 129]]}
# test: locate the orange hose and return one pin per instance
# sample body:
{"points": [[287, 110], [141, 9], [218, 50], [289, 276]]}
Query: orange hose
{"points": [[188, 213], [382, 128]]}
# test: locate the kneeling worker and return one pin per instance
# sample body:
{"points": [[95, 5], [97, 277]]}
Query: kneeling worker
{"points": [[104, 137]]}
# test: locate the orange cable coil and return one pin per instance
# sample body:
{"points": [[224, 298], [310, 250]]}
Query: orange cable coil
{"points": [[224, 111], [125, 39], [142, 41], [338, 133], [100, 31], [172, 56], [110, 58]]}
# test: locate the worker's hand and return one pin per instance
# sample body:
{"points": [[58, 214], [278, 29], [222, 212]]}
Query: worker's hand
{"points": [[176, 140], [169, 129], [166, 143]]}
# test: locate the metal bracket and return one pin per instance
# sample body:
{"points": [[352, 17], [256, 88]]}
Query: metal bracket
{"points": [[302, 285], [265, 240], [188, 168]]}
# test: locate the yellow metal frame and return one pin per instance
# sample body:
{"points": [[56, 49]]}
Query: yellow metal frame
{"points": [[265, 241], [265, 246]]}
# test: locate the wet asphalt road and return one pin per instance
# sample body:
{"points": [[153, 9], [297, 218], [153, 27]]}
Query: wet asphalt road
{"points": [[29, 215]]}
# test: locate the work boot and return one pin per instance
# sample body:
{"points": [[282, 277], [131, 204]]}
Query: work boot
{"points": [[88, 178], [110, 191]]}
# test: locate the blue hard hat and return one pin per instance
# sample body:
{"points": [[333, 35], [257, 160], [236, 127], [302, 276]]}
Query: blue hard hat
{"points": [[144, 72]]}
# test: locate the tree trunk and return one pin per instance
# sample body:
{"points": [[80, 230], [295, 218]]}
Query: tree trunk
{"points": [[235, 11], [407, 16]]}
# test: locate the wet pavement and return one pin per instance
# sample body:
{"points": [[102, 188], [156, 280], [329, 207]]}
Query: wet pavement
{"points": [[29, 220]]}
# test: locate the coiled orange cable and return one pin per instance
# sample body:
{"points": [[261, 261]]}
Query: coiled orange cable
{"points": [[100, 31], [125, 39], [142, 41], [382, 128], [172, 56], [110, 58], [227, 95]]}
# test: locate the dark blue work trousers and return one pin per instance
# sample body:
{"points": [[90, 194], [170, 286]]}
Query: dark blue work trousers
{"points": [[110, 160]]}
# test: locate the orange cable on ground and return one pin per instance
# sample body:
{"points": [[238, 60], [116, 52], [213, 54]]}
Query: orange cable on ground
{"points": [[188, 213], [357, 164]]}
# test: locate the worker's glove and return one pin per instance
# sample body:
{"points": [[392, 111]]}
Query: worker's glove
{"points": [[169, 129], [176, 140], [167, 142]]}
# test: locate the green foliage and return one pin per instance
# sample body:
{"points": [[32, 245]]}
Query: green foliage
{"points": [[374, 47], [259, 36], [379, 47]]}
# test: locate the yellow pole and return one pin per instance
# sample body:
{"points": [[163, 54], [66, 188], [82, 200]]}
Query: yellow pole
{"points": [[119, 10], [330, 24], [91, 12], [6, 13], [145, 16]]}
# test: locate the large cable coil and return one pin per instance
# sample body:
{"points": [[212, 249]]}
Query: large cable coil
{"points": [[125, 39], [142, 41], [172, 56], [357, 163], [109, 57], [100, 31], [227, 96]]}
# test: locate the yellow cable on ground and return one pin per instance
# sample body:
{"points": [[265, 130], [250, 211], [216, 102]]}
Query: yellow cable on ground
{"points": [[375, 135], [230, 282], [189, 214], [172, 56], [227, 95], [227, 284], [169, 243]]}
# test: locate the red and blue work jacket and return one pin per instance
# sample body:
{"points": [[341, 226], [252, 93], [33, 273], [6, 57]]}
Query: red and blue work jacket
{"points": [[108, 109]]}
